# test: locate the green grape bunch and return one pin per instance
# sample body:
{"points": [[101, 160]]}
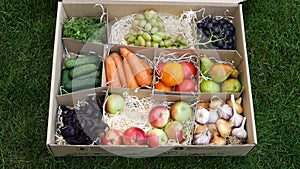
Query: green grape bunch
{"points": [[148, 31]]}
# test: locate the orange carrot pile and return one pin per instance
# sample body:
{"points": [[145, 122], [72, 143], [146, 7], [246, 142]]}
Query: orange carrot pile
{"points": [[131, 71]]}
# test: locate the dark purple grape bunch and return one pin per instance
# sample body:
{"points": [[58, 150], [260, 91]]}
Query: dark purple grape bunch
{"points": [[215, 33]]}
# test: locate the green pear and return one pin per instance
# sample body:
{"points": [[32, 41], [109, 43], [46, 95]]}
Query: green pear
{"points": [[235, 73], [205, 65], [220, 72], [231, 86], [209, 86]]}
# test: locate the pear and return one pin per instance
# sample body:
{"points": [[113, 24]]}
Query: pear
{"points": [[220, 72], [231, 86], [209, 86], [235, 73], [205, 65]]}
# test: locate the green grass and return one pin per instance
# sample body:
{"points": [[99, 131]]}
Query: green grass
{"points": [[27, 35]]}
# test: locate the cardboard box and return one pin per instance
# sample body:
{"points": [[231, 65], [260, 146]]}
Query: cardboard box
{"points": [[119, 9]]}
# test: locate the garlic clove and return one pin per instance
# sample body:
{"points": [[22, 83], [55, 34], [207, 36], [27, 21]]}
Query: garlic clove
{"points": [[225, 111], [238, 107], [215, 103], [202, 105], [213, 116], [202, 116], [240, 132], [224, 127]]}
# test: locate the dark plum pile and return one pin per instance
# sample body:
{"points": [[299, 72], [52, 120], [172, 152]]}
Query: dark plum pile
{"points": [[215, 33]]}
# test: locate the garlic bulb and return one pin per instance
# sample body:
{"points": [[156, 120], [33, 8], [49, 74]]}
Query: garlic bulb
{"points": [[202, 138], [213, 116], [215, 103], [225, 111], [236, 118], [240, 132], [202, 115], [224, 127]]}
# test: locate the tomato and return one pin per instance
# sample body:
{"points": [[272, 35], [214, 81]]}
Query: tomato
{"points": [[172, 74], [189, 70], [162, 87], [187, 85]]}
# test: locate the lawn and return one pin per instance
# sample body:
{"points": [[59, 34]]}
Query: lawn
{"points": [[26, 41]]}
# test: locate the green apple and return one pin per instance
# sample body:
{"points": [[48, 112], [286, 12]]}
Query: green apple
{"points": [[209, 86], [156, 137], [181, 111], [115, 104], [174, 131], [231, 85]]}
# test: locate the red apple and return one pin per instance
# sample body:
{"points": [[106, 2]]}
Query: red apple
{"points": [[159, 116], [134, 136], [189, 70], [156, 137], [174, 131], [187, 85], [158, 69], [112, 137], [181, 111]]}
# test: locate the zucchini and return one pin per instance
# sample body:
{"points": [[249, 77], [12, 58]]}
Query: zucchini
{"points": [[74, 62], [65, 78], [79, 84], [83, 69], [95, 74]]}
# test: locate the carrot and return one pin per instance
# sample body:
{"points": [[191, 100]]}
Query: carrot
{"points": [[131, 82], [118, 60], [111, 72], [138, 69], [148, 68]]}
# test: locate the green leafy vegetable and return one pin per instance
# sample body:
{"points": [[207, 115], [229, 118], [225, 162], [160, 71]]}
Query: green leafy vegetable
{"points": [[87, 29]]}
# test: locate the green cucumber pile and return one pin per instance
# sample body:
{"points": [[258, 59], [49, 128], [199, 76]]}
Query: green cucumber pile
{"points": [[81, 73]]}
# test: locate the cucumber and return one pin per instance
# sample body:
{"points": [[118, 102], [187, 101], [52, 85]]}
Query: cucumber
{"points": [[79, 84], [73, 62], [65, 78], [83, 69], [95, 74]]}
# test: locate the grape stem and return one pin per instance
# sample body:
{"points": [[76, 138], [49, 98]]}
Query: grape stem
{"points": [[209, 41], [139, 28]]}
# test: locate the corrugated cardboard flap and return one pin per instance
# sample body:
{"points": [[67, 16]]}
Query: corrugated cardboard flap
{"points": [[174, 2]]}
